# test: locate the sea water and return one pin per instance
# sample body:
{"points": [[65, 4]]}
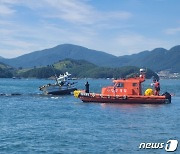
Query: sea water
{"points": [[34, 123]]}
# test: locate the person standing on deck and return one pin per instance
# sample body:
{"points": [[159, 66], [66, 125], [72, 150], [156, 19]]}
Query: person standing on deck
{"points": [[156, 88]]}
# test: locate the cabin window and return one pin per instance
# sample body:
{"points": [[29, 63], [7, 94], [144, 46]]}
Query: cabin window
{"points": [[120, 84], [134, 84]]}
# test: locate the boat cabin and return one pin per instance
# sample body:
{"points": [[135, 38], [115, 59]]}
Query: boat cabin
{"points": [[130, 86]]}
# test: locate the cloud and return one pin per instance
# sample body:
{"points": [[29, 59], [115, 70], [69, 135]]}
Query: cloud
{"points": [[6, 10], [172, 31], [55, 22], [132, 42], [74, 11]]}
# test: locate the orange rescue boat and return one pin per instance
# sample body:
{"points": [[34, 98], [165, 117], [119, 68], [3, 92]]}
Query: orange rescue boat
{"points": [[124, 91]]}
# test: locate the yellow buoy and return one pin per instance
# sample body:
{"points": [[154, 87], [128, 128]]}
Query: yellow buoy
{"points": [[76, 93], [148, 92]]}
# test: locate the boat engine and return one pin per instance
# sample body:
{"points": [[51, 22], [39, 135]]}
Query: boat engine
{"points": [[168, 96]]}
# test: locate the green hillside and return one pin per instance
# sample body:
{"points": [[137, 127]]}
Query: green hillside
{"points": [[4, 66], [82, 69], [6, 71]]}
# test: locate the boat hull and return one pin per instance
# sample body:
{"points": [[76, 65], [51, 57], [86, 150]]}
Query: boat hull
{"points": [[57, 90], [61, 92], [98, 98]]}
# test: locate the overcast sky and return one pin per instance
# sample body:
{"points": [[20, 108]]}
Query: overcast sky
{"points": [[117, 27]]}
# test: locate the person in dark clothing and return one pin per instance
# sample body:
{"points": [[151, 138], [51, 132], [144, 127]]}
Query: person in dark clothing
{"points": [[87, 87]]}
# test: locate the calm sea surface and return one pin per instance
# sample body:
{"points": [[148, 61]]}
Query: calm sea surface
{"points": [[34, 123]]}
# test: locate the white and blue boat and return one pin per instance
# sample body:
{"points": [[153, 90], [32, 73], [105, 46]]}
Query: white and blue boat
{"points": [[63, 86]]}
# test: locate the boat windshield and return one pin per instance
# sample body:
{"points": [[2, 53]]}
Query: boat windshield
{"points": [[120, 84]]}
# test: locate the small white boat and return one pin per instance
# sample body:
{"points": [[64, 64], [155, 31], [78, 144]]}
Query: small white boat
{"points": [[62, 86]]}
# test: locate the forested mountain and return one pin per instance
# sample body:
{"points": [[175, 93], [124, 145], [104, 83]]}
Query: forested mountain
{"points": [[60, 52], [157, 59]]}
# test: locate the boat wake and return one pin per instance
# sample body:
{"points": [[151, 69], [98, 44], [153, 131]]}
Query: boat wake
{"points": [[29, 94], [11, 94]]}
